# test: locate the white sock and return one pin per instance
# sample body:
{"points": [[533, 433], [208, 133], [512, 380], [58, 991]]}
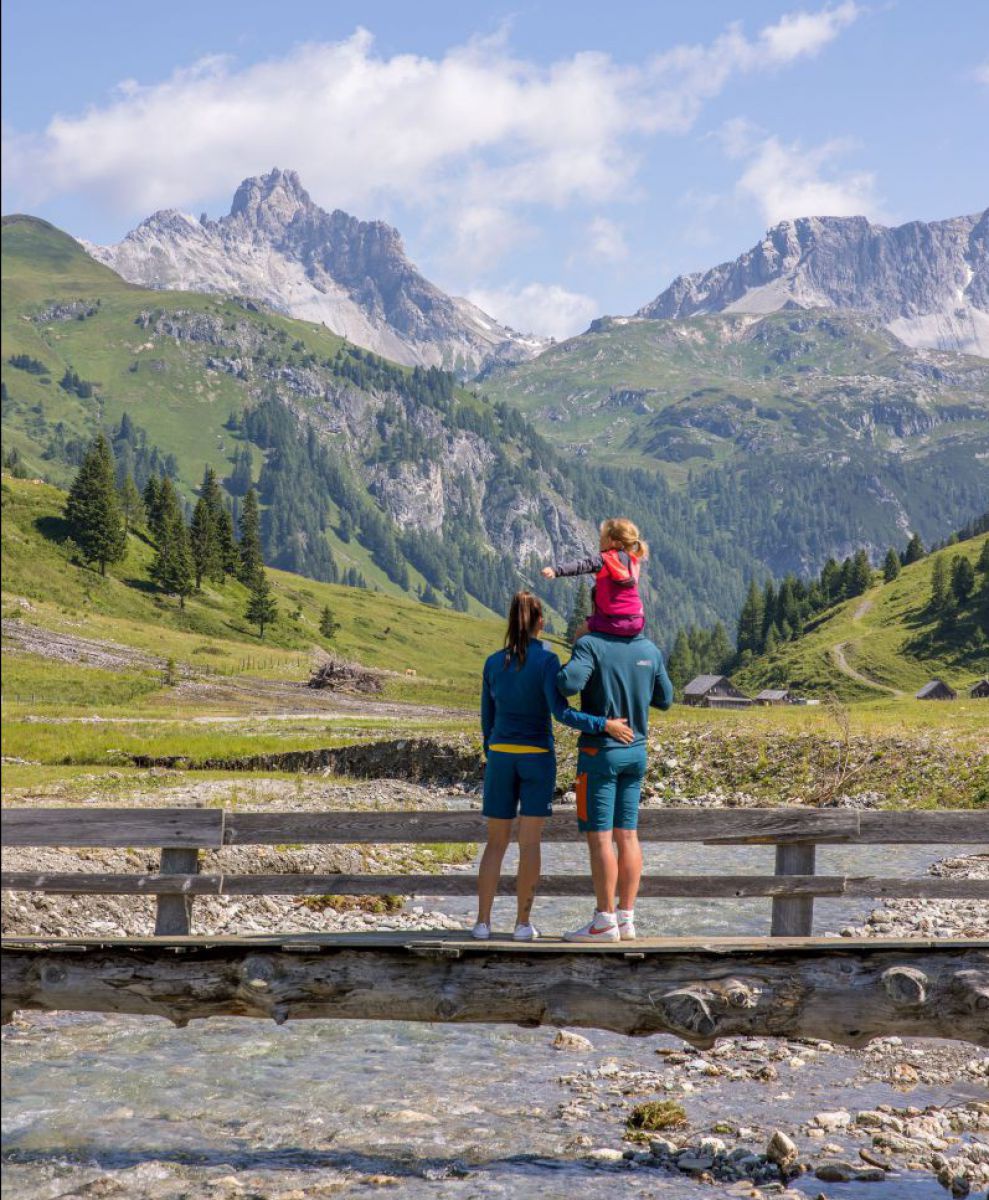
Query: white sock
{"points": [[609, 918], [626, 914]]}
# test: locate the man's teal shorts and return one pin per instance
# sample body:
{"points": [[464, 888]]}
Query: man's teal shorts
{"points": [[609, 784], [519, 782]]}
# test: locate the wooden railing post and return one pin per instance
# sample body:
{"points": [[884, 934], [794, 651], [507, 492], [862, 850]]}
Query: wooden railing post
{"points": [[793, 916], [174, 916]]}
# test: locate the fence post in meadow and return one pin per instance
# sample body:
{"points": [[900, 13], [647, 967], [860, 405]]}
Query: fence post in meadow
{"points": [[174, 915], [793, 916]]}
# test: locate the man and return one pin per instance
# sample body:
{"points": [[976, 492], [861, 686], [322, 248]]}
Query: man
{"points": [[616, 676]]}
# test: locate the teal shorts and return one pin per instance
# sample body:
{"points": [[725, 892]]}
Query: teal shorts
{"points": [[516, 783], [609, 785]]}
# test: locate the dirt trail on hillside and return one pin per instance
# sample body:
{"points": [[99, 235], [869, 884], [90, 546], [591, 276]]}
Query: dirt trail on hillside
{"points": [[843, 665], [265, 699]]}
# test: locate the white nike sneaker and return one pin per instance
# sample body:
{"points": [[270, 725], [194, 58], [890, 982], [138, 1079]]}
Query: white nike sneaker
{"points": [[481, 931], [603, 928], [626, 926], [525, 933]]}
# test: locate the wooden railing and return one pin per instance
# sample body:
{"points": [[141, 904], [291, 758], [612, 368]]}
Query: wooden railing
{"points": [[181, 833]]}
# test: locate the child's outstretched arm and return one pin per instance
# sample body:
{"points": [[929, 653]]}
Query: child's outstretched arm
{"points": [[574, 566]]}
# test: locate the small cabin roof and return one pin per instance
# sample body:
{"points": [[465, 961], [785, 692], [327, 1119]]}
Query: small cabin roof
{"points": [[702, 684], [773, 694], [932, 685]]}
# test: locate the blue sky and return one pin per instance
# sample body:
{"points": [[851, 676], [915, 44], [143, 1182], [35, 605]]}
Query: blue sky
{"points": [[553, 161]]}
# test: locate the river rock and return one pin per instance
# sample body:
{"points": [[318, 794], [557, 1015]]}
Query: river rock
{"points": [[835, 1172], [839, 1119], [606, 1156], [663, 1147], [565, 1040], [870, 1175], [694, 1162], [782, 1150]]}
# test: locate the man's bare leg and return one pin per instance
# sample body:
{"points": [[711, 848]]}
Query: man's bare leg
{"points": [[530, 837], [629, 867], [604, 868], [488, 873]]}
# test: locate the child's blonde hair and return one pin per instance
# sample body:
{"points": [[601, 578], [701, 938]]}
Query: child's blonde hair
{"points": [[625, 534]]}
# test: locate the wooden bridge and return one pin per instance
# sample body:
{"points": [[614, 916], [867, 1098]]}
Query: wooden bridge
{"points": [[788, 984]]}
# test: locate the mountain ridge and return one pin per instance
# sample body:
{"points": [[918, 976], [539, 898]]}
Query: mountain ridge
{"points": [[927, 281], [277, 246]]}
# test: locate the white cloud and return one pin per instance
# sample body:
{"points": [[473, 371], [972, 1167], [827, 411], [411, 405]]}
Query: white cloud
{"points": [[544, 308], [604, 240], [446, 134], [788, 181], [982, 73]]}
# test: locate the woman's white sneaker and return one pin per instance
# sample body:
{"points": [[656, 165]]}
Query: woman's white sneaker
{"points": [[603, 928], [626, 925], [481, 931], [525, 933]]}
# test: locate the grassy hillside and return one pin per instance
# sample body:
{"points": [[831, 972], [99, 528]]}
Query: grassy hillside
{"points": [[210, 636], [884, 643]]}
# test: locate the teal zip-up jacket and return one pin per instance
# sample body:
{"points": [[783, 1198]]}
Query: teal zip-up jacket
{"points": [[518, 702], [617, 677]]}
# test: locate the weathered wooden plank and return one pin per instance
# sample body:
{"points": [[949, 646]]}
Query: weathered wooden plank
{"points": [[174, 911], [925, 827], [187, 827], [667, 825], [291, 884], [793, 916], [179, 827], [842, 993]]}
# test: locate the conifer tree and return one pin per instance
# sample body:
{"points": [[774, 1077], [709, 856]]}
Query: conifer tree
{"points": [[131, 504], [328, 626], [153, 506], [92, 508], [914, 551], [891, 565], [226, 543], [750, 621], [251, 560], [860, 576], [982, 563], [719, 650], [261, 607], [681, 665], [580, 612], [173, 569], [939, 584], [203, 544], [962, 578]]}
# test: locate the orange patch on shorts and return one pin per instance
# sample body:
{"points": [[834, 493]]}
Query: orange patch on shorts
{"points": [[581, 797], [590, 751]]}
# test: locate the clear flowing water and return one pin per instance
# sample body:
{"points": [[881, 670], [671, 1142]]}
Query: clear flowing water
{"points": [[460, 1112]]}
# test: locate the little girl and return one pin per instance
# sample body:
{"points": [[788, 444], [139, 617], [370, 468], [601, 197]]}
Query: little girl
{"points": [[615, 596]]}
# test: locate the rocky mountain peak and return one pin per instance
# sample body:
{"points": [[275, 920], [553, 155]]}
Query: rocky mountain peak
{"points": [[928, 281], [278, 246]]}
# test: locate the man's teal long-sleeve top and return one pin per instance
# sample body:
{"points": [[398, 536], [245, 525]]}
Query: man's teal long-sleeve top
{"points": [[617, 677], [519, 700]]}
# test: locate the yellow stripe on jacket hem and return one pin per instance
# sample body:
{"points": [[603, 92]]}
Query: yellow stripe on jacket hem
{"points": [[507, 748]]}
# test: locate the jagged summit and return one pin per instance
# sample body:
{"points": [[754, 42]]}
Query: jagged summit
{"points": [[277, 245], [927, 281]]}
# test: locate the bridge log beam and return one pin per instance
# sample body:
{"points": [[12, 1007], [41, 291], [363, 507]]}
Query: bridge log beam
{"points": [[840, 993]]}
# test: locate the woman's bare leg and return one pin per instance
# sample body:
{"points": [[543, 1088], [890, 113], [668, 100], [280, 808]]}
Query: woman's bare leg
{"points": [[530, 835], [488, 873], [604, 868], [629, 867]]}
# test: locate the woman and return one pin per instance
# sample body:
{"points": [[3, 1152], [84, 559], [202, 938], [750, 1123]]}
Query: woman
{"points": [[519, 698]]}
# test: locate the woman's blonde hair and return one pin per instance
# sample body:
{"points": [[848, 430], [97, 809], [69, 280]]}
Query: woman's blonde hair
{"points": [[625, 534]]}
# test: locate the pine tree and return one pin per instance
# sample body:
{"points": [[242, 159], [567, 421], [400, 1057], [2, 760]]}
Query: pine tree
{"points": [[719, 649], [172, 568], [891, 565], [914, 551], [831, 580], [153, 506], [327, 625], [860, 578], [580, 612], [203, 544], [750, 621], [251, 561], [681, 664], [939, 584], [261, 607], [983, 561], [131, 504], [92, 508], [226, 542], [962, 578], [240, 480]]}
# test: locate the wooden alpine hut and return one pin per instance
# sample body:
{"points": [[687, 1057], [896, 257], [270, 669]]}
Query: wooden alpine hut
{"points": [[936, 689]]}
